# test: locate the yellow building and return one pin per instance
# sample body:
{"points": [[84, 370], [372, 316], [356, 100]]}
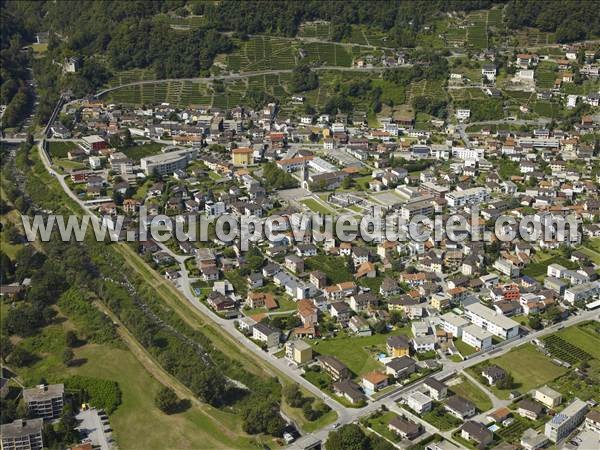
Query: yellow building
{"points": [[242, 156], [397, 346], [298, 351]]}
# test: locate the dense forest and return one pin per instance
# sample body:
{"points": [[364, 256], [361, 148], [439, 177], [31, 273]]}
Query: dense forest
{"points": [[571, 20]]}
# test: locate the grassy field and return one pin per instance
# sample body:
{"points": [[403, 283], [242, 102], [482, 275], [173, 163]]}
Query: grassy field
{"points": [[333, 266], [529, 368], [463, 348], [470, 391], [315, 206], [60, 149], [538, 267], [200, 423], [137, 152], [358, 353]]}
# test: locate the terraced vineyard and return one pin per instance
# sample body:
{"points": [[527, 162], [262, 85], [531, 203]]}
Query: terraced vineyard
{"points": [[319, 30], [565, 351], [477, 33], [131, 76], [262, 53], [328, 54], [545, 75]]}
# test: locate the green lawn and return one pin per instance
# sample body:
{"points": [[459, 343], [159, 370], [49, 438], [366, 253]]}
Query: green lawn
{"points": [[379, 423], [358, 353], [157, 430], [470, 391], [538, 268], [333, 266], [528, 367], [60, 149], [463, 348], [315, 206], [137, 152]]}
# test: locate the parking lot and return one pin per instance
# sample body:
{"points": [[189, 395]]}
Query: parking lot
{"points": [[95, 428]]}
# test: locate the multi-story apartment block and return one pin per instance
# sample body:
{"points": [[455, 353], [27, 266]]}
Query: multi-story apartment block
{"points": [[565, 421], [488, 319], [22, 435], [45, 401]]}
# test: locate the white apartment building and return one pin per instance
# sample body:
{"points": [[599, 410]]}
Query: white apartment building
{"points": [[565, 421], [167, 163], [488, 319], [468, 153], [584, 291], [463, 114], [454, 324], [556, 271], [476, 337], [472, 196], [419, 402]]}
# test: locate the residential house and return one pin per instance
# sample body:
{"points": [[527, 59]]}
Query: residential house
{"points": [[340, 311], [267, 334], [493, 374], [529, 409], [374, 381], [400, 367], [397, 346], [476, 432], [419, 402], [435, 389], [404, 428], [460, 407], [359, 326], [349, 390], [334, 368]]}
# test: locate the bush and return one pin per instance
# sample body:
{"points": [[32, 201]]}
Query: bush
{"points": [[21, 357], [102, 394], [166, 400]]}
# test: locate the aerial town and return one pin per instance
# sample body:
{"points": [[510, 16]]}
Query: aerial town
{"points": [[442, 343]]}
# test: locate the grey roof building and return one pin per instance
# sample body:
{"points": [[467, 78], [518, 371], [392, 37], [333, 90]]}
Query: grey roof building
{"points": [[45, 401], [22, 435]]}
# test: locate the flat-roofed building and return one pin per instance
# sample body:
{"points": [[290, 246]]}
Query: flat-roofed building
{"points": [[454, 324], [488, 319], [298, 351], [467, 197], [22, 435], [45, 401], [476, 337], [566, 421], [582, 292], [169, 162], [411, 210], [547, 396]]}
